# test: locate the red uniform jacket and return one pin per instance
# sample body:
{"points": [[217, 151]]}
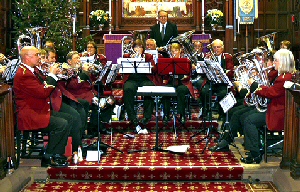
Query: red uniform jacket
{"points": [[82, 87], [154, 77], [56, 95], [32, 99], [276, 108]]}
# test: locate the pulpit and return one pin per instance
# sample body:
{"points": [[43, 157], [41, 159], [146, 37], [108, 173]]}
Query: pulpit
{"points": [[113, 46], [291, 148]]}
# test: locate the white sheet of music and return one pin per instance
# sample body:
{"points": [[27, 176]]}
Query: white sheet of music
{"points": [[200, 67], [228, 102], [90, 59], [141, 67]]}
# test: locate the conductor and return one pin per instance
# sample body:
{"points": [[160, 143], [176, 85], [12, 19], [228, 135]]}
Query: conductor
{"points": [[164, 30]]}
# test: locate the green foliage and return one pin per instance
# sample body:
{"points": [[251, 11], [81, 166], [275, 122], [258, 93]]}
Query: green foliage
{"points": [[53, 15]]}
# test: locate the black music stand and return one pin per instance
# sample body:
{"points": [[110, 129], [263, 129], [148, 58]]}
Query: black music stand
{"points": [[99, 142], [215, 74], [174, 67], [156, 92]]}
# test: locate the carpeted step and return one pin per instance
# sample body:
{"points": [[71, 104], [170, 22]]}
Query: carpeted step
{"points": [[198, 163], [152, 186]]}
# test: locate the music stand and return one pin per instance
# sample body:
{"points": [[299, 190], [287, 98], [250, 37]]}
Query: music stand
{"points": [[156, 92], [174, 67], [215, 74], [99, 142]]}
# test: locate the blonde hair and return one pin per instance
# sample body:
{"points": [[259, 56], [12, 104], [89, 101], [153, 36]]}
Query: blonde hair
{"points": [[286, 61]]}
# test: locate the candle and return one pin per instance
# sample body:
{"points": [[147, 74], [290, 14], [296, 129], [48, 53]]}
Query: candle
{"points": [[202, 8], [74, 31], [109, 11]]}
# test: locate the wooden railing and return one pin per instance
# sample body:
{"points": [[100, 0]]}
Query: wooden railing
{"points": [[291, 148]]}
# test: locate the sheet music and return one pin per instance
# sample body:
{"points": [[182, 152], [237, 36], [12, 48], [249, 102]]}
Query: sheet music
{"points": [[228, 102], [200, 68], [134, 65], [90, 59], [112, 73]]}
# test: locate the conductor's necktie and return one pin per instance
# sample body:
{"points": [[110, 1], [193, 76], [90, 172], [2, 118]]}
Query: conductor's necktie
{"points": [[162, 32]]}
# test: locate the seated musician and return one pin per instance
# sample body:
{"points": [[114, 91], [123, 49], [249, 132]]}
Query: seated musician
{"points": [[198, 79], [183, 86], [32, 98], [91, 55], [64, 101], [243, 95], [274, 116], [135, 80], [82, 87], [226, 62], [150, 44]]}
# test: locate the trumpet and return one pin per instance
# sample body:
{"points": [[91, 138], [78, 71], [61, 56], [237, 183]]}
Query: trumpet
{"points": [[92, 68]]}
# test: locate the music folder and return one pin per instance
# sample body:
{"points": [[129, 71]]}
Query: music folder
{"points": [[173, 66]]}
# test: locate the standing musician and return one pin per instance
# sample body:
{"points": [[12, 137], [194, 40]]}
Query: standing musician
{"points": [[33, 106], [135, 80], [183, 86], [226, 62], [64, 101], [82, 87], [164, 31]]}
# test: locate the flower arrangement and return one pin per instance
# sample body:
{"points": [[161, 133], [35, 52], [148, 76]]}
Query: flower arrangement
{"points": [[99, 17], [214, 16]]}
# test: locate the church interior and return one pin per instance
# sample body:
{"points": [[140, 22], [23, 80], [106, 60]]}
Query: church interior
{"points": [[174, 152]]}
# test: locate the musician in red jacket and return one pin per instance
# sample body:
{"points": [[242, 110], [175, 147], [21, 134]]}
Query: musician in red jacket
{"points": [[274, 117], [183, 87], [81, 86], [135, 80], [226, 62], [32, 99]]}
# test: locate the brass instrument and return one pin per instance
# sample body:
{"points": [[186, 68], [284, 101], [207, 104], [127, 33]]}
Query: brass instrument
{"points": [[212, 55]]}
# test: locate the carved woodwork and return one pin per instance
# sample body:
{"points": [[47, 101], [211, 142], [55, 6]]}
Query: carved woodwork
{"points": [[291, 148], [6, 122]]}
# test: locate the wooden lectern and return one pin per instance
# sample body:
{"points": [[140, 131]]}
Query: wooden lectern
{"points": [[291, 148]]}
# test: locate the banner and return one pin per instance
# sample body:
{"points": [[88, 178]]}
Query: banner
{"points": [[247, 11]]}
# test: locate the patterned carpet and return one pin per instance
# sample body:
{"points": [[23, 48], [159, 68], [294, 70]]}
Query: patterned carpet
{"points": [[197, 163], [151, 187]]}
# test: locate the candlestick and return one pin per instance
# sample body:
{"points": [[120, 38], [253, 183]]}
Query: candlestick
{"points": [[202, 8], [109, 11], [74, 31], [202, 17]]}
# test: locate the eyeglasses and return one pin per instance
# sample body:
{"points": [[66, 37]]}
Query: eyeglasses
{"points": [[90, 47]]}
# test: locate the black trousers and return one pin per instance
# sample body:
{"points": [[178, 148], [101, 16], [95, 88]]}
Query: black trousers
{"points": [[76, 126], [252, 123], [237, 118], [130, 90], [219, 89], [181, 92], [58, 129]]}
